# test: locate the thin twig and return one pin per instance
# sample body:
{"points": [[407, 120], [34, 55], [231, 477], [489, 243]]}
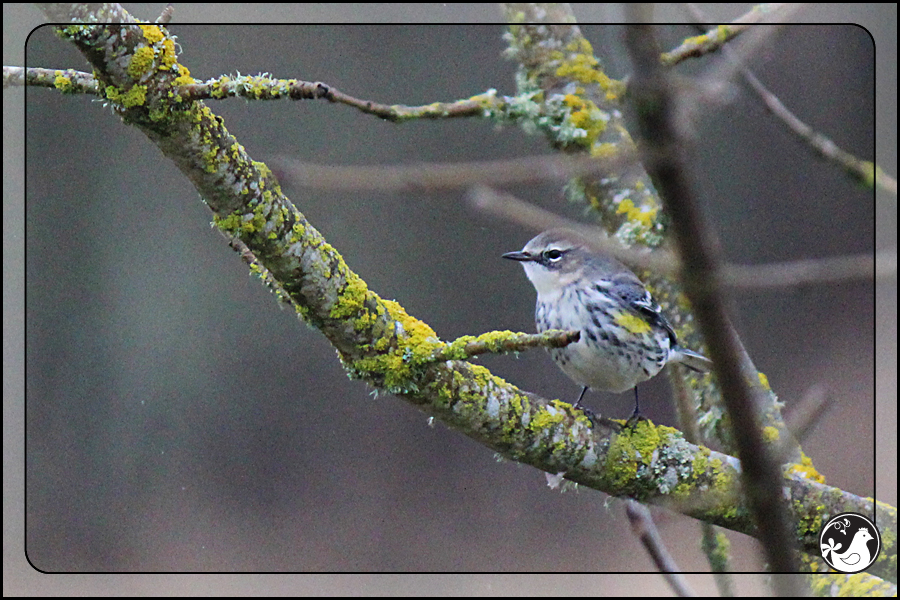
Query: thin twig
{"points": [[715, 39], [798, 273], [166, 15], [644, 528], [431, 176], [716, 547], [69, 81], [863, 171], [809, 410], [754, 39]]}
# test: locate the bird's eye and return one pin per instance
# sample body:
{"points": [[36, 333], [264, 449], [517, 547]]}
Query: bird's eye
{"points": [[553, 255]]}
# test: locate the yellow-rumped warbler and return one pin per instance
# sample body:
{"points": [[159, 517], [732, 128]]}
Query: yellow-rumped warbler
{"points": [[625, 339]]}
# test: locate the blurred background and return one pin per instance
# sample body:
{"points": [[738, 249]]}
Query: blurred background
{"points": [[176, 418]]}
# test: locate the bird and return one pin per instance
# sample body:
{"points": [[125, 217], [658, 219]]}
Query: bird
{"points": [[625, 338]]}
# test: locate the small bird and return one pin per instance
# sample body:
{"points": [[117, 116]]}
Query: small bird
{"points": [[625, 339]]}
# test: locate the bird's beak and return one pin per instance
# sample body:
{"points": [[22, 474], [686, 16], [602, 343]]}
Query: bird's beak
{"points": [[519, 256]]}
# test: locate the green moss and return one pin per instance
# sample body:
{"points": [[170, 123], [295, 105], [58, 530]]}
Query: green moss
{"points": [[230, 224], [717, 548], [394, 371], [253, 222], [517, 407], [700, 462], [723, 31], [857, 585], [808, 522], [494, 340], [545, 419], [456, 350], [470, 403]]}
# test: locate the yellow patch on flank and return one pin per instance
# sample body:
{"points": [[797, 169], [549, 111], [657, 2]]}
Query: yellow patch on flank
{"points": [[632, 323]]}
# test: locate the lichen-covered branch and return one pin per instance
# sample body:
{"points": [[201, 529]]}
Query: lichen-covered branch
{"points": [[502, 342], [68, 81], [564, 92], [265, 87]]}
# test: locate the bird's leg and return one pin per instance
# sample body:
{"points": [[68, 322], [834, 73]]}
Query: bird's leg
{"points": [[578, 402], [636, 417], [587, 412]]}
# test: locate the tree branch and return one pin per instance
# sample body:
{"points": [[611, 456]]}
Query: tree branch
{"points": [[655, 104]]}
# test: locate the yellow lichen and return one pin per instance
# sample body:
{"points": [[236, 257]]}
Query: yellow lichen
{"points": [[140, 62], [643, 215], [62, 83], [545, 418], [136, 96], [806, 469], [168, 57], [184, 76], [351, 298], [152, 33]]}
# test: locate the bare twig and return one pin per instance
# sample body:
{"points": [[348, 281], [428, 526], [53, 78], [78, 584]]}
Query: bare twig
{"points": [[808, 412], [538, 219], [812, 271], [863, 171], [752, 40], [428, 176], [644, 528], [166, 15]]}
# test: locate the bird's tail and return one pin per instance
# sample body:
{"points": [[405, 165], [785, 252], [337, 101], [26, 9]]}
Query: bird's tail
{"points": [[691, 359]]}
